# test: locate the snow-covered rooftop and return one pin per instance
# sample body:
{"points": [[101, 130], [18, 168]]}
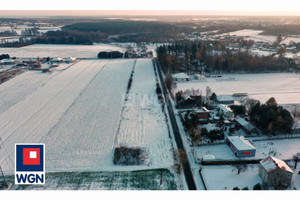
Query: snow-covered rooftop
{"points": [[7, 61], [180, 75], [271, 164], [200, 110], [210, 127], [225, 108], [245, 124], [56, 59], [71, 59], [240, 143], [225, 98]]}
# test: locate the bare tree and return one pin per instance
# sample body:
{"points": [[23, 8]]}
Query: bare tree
{"points": [[241, 167]]}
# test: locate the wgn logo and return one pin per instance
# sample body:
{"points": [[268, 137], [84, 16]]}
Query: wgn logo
{"points": [[30, 164]]}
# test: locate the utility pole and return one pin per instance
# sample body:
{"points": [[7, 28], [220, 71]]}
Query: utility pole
{"points": [[3, 185]]}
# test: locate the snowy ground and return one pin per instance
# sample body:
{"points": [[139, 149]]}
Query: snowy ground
{"points": [[255, 35], [44, 50], [283, 149], [78, 51], [76, 113], [225, 177], [285, 87], [143, 123]]}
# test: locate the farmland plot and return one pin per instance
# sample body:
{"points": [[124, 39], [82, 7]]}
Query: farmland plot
{"points": [[19, 87], [143, 123], [77, 112], [31, 119], [44, 50]]}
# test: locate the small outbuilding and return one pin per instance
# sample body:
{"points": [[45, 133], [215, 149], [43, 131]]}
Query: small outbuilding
{"points": [[181, 77], [240, 146], [70, 60], [8, 61], [275, 173]]}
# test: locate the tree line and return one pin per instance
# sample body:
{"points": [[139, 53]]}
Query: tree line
{"points": [[190, 56]]}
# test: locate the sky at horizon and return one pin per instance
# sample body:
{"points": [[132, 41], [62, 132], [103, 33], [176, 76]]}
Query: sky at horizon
{"points": [[150, 8], [41, 13]]}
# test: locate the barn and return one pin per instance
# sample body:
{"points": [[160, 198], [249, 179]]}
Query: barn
{"points": [[240, 146]]}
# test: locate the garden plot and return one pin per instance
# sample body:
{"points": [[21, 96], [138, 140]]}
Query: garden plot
{"points": [[285, 87], [283, 149], [143, 123], [225, 177]]}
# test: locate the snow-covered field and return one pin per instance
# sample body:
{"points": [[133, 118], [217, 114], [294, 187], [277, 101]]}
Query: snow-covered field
{"points": [[78, 51], [285, 87], [283, 149], [225, 177], [76, 113], [255, 35], [143, 123], [44, 50]]}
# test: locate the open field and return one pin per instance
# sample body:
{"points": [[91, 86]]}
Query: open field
{"points": [[285, 87], [255, 35], [127, 180], [76, 111], [44, 50], [143, 122]]}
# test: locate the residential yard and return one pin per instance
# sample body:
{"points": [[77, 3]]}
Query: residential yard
{"points": [[282, 149], [225, 177]]}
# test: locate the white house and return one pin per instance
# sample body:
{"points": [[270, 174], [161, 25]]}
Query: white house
{"points": [[275, 173], [181, 77]]}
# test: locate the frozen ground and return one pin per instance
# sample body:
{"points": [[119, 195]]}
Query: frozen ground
{"points": [[285, 87], [44, 50], [225, 177], [283, 149]]}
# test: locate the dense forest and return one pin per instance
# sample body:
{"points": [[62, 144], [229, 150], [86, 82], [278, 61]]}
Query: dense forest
{"points": [[70, 37]]}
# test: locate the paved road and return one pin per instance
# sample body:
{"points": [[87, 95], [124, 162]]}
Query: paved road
{"points": [[186, 166]]}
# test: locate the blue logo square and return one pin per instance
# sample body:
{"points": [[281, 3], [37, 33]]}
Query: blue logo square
{"points": [[20, 159]]}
